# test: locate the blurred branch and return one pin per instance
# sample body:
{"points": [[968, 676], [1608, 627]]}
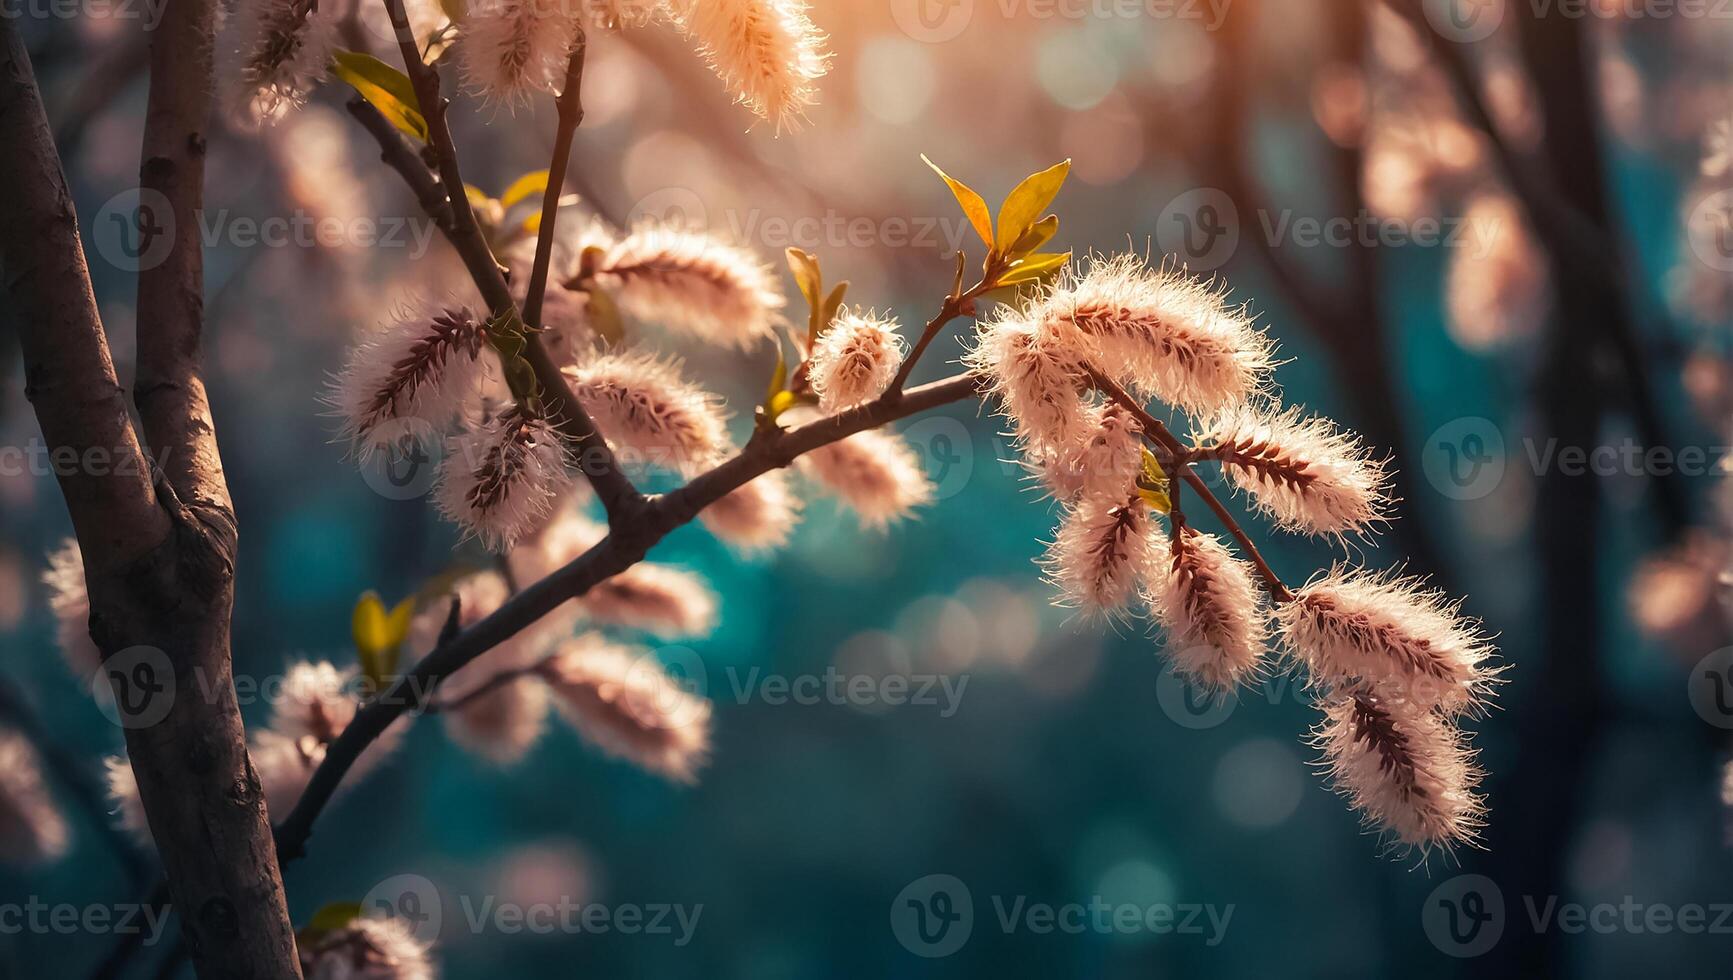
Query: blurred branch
{"points": [[1576, 228], [619, 497]]}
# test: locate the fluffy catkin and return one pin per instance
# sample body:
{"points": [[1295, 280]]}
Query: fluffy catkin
{"points": [[623, 701], [1406, 769], [501, 478], [511, 49], [70, 603], [1037, 381], [1160, 332], [504, 723], [277, 52], [668, 602], [31, 827], [367, 949], [692, 283], [643, 405], [1099, 553], [767, 53], [1105, 463], [1349, 626], [1212, 610], [854, 360], [876, 473], [758, 516], [426, 365], [1305, 474]]}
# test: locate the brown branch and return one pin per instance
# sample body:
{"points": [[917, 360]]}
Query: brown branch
{"points": [[624, 546], [619, 497], [571, 116], [1181, 458], [69, 376], [159, 571]]}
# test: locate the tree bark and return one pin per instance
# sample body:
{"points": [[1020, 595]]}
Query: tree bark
{"points": [[159, 544]]}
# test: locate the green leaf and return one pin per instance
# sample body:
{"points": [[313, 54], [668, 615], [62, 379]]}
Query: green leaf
{"points": [[1152, 484], [832, 304], [330, 918], [1017, 215], [1038, 235], [779, 375], [1034, 268], [388, 89], [535, 182], [804, 266], [973, 206], [605, 318]]}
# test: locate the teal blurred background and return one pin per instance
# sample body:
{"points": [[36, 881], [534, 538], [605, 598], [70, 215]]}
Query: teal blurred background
{"points": [[1061, 775]]}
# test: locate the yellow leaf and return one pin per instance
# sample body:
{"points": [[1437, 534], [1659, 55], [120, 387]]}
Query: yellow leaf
{"points": [[397, 622], [478, 198], [526, 186], [388, 89], [605, 318], [804, 266], [973, 206], [1152, 484], [781, 402], [832, 304], [1038, 235], [329, 919], [778, 376], [1034, 268], [1017, 215], [369, 623]]}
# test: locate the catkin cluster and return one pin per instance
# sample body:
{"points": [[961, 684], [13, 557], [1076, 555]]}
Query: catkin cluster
{"points": [[1393, 662]]}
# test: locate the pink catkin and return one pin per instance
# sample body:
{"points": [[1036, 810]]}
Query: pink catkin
{"points": [[1406, 769], [500, 479], [1037, 382], [1350, 626], [511, 49], [278, 50], [425, 366], [874, 472], [1099, 553], [1305, 474], [760, 515], [668, 602], [1162, 333], [70, 603], [1212, 610], [624, 702], [32, 829], [367, 949], [767, 52], [643, 406], [692, 283], [854, 360]]}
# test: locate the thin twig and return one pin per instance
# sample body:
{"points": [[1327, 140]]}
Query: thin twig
{"points": [[571, 116]]}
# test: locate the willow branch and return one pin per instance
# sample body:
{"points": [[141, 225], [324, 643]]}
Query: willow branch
{"points": [[624, 546], [619, 497], [1182, 459], [571, 116]]}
